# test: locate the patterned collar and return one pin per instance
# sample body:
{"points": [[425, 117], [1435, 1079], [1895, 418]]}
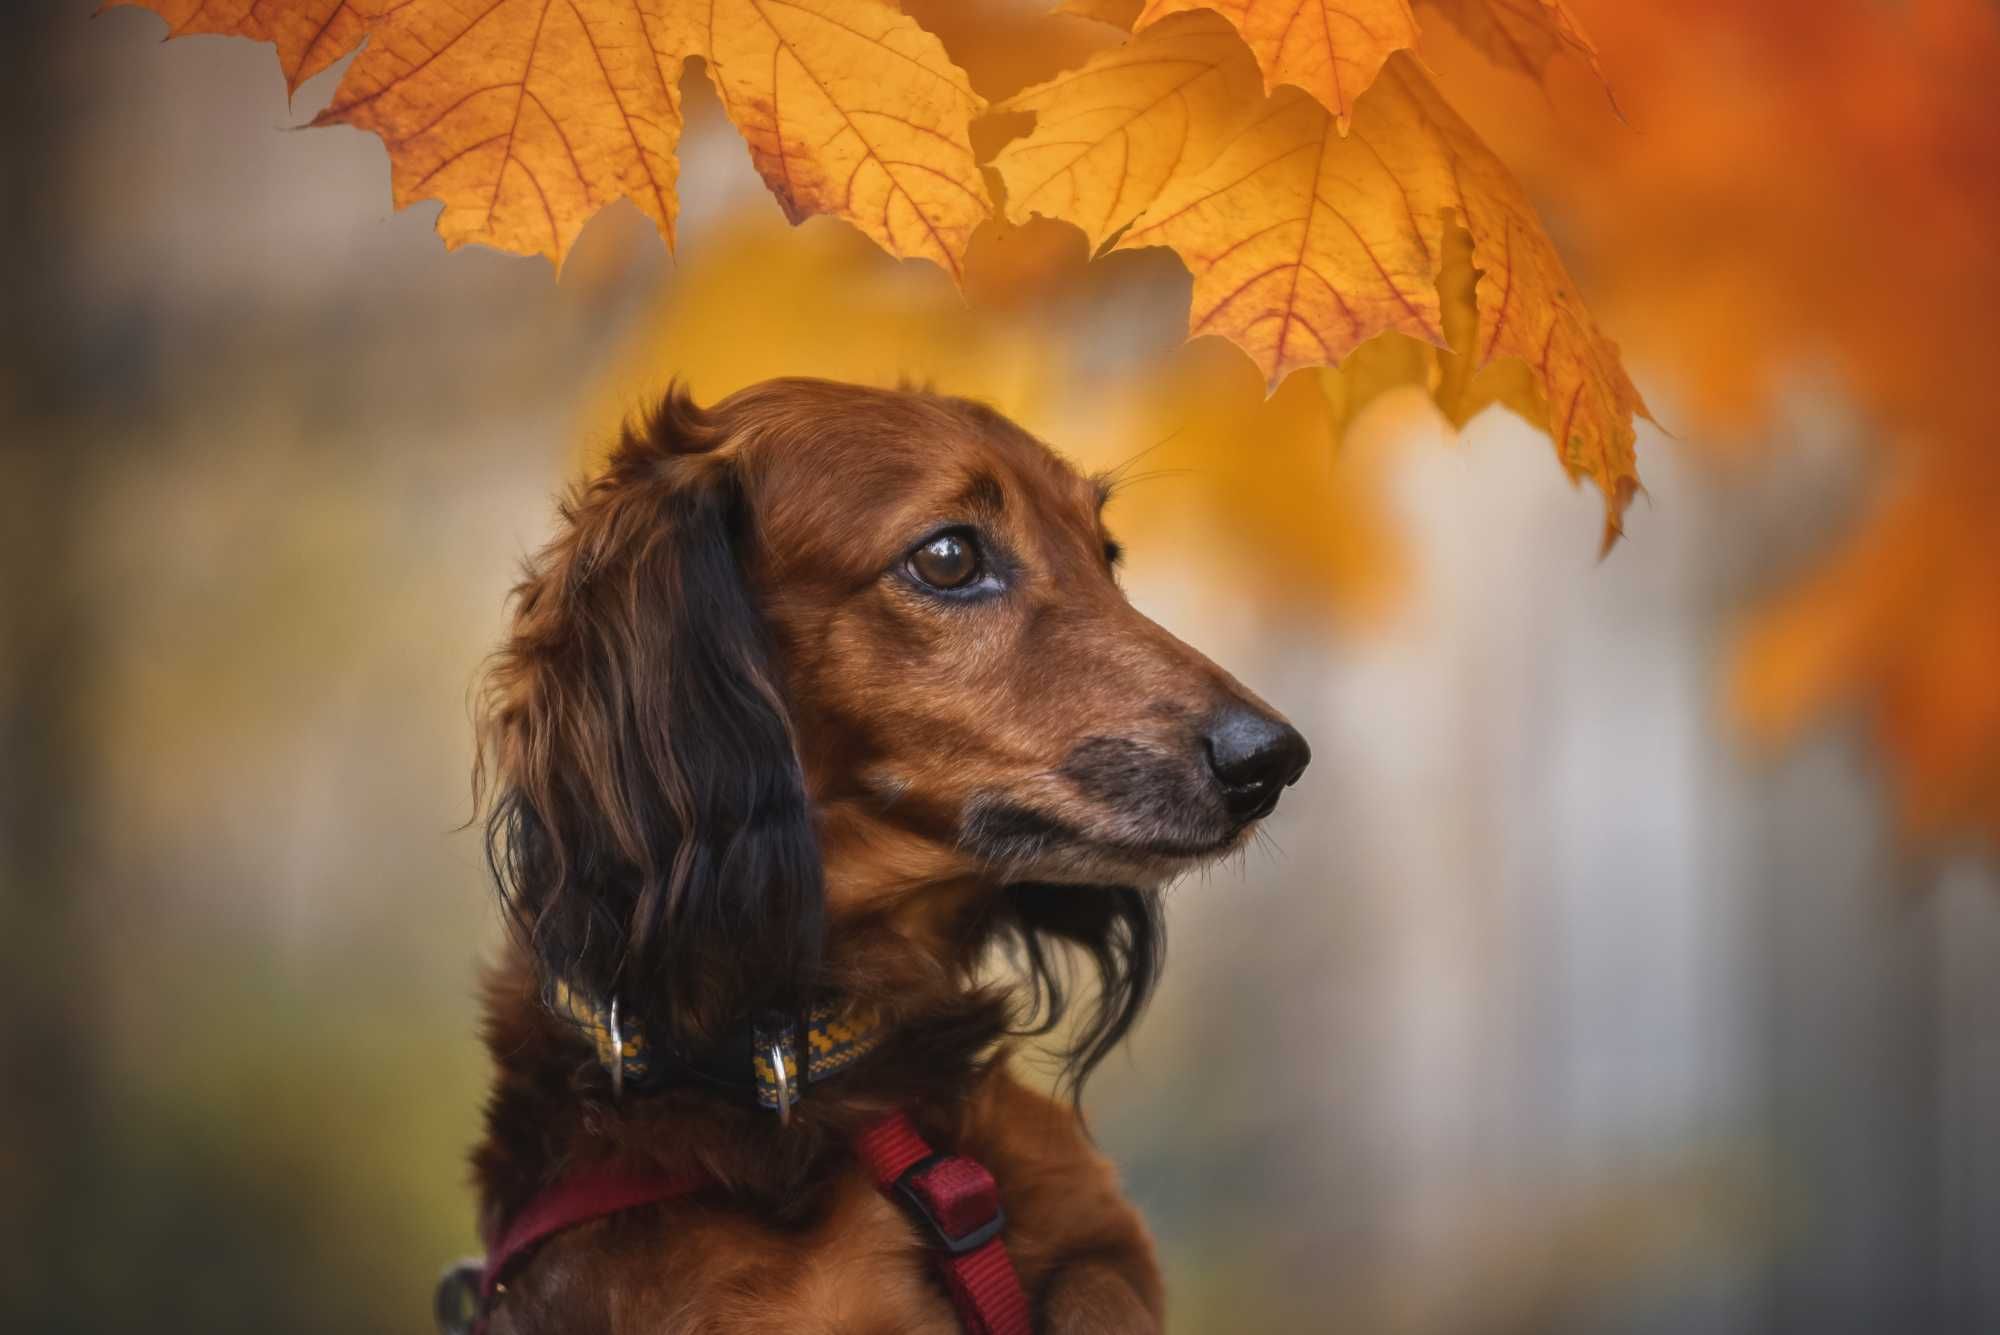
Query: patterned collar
{"points": [[762, 1060]]}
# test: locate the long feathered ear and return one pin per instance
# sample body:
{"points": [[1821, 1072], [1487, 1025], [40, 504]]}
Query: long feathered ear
{"points": [[650, 831]]}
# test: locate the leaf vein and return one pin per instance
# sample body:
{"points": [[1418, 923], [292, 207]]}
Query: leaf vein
{"points": [[507, 156], [951, 261], [340, 110], [617, 100]]}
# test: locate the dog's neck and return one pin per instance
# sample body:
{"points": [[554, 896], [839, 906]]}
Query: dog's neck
{"points": [[922, 894], [902, 946]]}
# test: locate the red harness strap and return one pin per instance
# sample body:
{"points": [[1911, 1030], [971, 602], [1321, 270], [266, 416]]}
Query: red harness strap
{"points": [[956, 1199], [959, 1201], [595, 1194]]}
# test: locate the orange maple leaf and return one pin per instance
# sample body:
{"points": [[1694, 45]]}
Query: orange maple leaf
{"points": [[1335, 49], [1332, 49], [870, 124], [1305, 243], [525, 117]]}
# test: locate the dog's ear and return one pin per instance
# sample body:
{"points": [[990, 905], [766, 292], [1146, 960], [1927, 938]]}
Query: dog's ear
{"points": [[650, 830]]}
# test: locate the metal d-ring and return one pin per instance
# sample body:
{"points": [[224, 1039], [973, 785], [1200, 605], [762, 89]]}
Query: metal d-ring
{"points": [[784, 1082], [617, 1055], [456, 1304]]}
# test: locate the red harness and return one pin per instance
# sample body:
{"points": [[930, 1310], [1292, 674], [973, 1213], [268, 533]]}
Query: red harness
{"points": [[953, 1199]]}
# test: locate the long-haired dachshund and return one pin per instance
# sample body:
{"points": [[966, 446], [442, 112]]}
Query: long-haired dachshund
{"points": [[818, 695]]}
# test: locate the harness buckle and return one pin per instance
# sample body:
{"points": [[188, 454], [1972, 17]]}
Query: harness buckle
{"points": [[955, 1199]]}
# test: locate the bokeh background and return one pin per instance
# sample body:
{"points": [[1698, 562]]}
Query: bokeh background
{"points": [[1557, 1000]]}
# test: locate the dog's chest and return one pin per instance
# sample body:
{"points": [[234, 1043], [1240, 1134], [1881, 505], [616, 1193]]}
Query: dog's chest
{"points": [[860, 1268]]}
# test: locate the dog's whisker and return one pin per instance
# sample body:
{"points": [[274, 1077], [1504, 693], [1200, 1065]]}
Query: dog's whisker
{"points": [[1154, 475], [1115, 475]]}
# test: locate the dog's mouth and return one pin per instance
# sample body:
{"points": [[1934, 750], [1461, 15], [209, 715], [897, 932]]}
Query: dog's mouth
{"points": [[1137, 812], [1021, 840]]}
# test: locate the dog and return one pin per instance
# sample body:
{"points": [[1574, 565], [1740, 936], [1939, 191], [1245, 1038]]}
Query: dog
{"points": [[818, 696]]}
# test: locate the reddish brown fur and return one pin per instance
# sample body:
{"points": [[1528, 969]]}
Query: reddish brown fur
{"points": [[906, 716]]}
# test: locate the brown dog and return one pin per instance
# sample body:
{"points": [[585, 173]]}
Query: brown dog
{"points": [[818, 695]]}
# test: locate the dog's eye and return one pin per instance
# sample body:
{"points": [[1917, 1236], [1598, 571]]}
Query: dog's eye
{"points": [[947, 561]]}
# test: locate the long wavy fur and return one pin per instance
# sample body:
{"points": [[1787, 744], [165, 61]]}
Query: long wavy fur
{"points": [[650, 833], [1119, 930]]}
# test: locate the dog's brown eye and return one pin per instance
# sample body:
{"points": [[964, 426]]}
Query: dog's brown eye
{"points": [[948, 561]]}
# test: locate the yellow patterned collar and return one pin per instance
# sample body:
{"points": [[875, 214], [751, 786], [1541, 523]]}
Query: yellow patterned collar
{"points": [[833, 1041]]}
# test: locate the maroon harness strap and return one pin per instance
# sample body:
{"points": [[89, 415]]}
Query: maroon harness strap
{"points": [[955, 1198], [595, 1194], [960, 1202]]}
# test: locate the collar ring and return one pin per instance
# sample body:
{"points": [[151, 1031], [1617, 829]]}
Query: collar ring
{"points": [[784, 1082], [617, 1055]]}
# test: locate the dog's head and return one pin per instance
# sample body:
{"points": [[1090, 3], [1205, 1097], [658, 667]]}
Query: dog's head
{"points": [[816, 605]]}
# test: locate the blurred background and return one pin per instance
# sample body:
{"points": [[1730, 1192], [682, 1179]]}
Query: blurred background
{"points": [[1625, 963]]}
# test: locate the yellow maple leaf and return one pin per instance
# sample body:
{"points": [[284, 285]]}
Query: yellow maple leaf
{"points": [[1169, 433], [1332, 49], [1385, 363], [852, 109], [1110, 135], [1458, 381], [1305, 243], [525, 117]]}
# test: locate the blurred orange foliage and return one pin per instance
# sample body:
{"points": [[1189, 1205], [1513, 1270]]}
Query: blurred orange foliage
{"points": [[1905, 620], [1524, 35], [1193, 440], [1815, 184]]}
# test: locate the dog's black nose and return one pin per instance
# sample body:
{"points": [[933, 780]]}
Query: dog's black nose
{"points": [[1254, 757]]}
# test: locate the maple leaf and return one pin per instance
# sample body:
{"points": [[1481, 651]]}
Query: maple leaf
{"points": [[1109, 136], [525, 117], [1332, 49], [1384, 363], [1305, 243], [1452, 375], [310, 34], [872, 125]]}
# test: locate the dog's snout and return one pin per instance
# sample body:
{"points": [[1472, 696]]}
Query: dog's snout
{"points": [[1254, 758]]}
